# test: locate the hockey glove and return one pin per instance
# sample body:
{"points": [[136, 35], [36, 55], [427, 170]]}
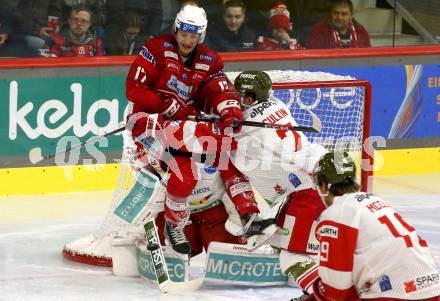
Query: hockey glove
{"points": [[230, 117], [177, 111], [142, 123]]}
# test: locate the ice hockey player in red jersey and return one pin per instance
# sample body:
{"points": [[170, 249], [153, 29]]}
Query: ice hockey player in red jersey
{"points": [[368, 251], [175, 76]]}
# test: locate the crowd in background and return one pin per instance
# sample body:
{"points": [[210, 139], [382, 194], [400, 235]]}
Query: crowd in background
{"points": [[56, 28]]}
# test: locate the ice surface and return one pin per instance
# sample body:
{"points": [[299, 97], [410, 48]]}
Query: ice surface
{"points": [[33, 230]]}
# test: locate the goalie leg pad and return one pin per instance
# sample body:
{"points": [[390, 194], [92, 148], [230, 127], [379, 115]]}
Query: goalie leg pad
{"points": [[144, 200], [234, 264], [124, 259]]}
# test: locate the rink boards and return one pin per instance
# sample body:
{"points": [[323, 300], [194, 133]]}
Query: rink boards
{"points": [[54, 179]]}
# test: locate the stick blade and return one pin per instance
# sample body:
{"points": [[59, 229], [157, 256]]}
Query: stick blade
{"points": [[316, 125], [172, 287], [35, 155]]}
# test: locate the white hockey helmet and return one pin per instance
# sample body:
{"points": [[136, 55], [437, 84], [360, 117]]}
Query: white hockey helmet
{"points": [[191, 19]]}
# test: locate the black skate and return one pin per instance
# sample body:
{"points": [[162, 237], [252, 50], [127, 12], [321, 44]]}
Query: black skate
{"points": [[177, 238], [257, 230]]}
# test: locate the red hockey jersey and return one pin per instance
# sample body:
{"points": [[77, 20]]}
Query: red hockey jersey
{"points": [[158, 75]]}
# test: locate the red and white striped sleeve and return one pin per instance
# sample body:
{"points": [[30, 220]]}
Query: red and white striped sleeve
{"points": [[337, 247]]}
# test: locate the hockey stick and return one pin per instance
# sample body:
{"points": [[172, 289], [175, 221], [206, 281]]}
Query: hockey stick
{"points": [[166, 285], [315, 128], [35, 155]]}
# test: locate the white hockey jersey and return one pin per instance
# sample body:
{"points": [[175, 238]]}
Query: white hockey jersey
{"points": [[368, 248], [277, 162]]}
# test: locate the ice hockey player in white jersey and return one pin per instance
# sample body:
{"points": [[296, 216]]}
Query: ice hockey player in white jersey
{"points": [[368, 250]]}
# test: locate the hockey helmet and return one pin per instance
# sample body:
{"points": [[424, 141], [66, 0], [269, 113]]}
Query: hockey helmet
{"points": [[191, 19], [255, 82], [335, 168]]}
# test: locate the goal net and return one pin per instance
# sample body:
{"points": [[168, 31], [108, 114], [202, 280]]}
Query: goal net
{"points": [[341, 103]]}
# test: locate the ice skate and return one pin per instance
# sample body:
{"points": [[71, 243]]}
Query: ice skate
{"points": [[176, 238]]}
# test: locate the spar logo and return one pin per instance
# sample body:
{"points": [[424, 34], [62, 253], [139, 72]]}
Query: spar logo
{"points": [[423, 282]]}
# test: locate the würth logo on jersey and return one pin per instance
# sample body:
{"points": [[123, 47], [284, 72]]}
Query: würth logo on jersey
{"points": [[328, 231]]}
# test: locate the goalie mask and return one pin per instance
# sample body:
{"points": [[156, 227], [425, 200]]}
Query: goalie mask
{"points": [[191, 19], [335, 168], [256, 84]]}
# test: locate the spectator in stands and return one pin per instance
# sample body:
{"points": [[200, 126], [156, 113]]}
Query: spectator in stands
{"points": [[33, 21], [124, 40], [339, 29], [98, 9], [77, 39], [234, 35], [150, 12], [281, 28]]}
